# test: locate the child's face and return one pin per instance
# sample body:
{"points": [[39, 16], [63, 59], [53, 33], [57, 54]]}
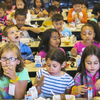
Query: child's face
{"points": [[58, 25], [38, 3], [2, 12], [54, 40], [53, 67], [92, 64], [9, 59], [77, 7], [52, 13], [87, 34], [57, 4], [19, 4], [13, 35], [9, 4], [20, 20], [84, 7]]}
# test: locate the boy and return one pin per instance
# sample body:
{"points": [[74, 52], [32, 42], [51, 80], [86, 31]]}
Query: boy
{"points": [[27, 30], [51, 11], [96, 12], [57, 4], [76, 14], [57, 22], [12, 35]]}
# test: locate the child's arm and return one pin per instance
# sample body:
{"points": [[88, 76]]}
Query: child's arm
{"points": [[84, 19], [97, 84], [36, 30], [74, 52], [45, 12]]}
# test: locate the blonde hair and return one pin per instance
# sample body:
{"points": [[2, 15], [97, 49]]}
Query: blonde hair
{"points": [[12, 47]]}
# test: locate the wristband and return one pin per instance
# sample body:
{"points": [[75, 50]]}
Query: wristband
{"points": [[12, 81], [73, 90]]}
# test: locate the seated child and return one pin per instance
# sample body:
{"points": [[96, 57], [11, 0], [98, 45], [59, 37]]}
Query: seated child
{"points": [[96, 12], [39, 8], [50, 39], [55, 79], [57, 22], [57, 4], [90, 33], [13, 73], [27, 30], [12, 35], [76, 14], [88, 73], [9, 6], [85, 6], [51, 11], [3, 16]]}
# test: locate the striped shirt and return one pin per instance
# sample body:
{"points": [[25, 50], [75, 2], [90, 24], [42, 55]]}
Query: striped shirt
{"points": [[53, 83]]}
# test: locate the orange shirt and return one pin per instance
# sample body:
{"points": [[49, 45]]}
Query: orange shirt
{"points": [[70, 19]]}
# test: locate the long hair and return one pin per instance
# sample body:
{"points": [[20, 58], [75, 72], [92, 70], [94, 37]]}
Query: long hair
{"points": [[89, 50], [12, 47], [44, 43], [42, 6]]}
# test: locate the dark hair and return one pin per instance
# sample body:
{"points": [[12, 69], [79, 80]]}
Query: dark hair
{"points": [[56, 55], [76, 2], [56, 0], [89, 50], [21, 12], [57, 17], [25, 4], [85, 3], [44, 43], [42, 6], [12, 47], [96, 9], [5, 30], [96, 28], [2, 5], [52, 8]]}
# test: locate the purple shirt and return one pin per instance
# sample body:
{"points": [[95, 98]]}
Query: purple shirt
{"points": [[43, 53], [80, 47]]}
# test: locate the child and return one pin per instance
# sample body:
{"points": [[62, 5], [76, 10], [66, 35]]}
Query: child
{"points": [[27, 30], [90, 33], [85, 6], [57, 4], [50, 39], [39, 8], [12, 71], [88, 72], [51, 11], [55, 79], [9, 6], [76, 14], [3, 16], [12, 35], [57, 22], [96, 12]]}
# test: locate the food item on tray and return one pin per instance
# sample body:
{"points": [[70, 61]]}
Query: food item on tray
{"points": [[62, 96]]}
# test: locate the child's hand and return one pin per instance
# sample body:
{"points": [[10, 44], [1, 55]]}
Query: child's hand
{"points": [[24, 28], [27, 61], [74, 52], [97, 84], [40, 83], [75, 16], [80, 89], [9, 22], [10, 72], [40, 14], [80, 18]]}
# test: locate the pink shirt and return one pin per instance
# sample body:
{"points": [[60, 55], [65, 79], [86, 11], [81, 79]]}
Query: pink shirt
{"points": [[80, 47], [43, 53]]}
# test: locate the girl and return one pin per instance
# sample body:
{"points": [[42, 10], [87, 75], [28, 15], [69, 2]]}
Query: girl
{"points": [[90, 33], [21, 4], [12, 71], [55, 80], [39, 8], [88, 72], [50, 39]]}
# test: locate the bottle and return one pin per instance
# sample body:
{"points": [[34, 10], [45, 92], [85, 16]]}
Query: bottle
{"points": [[90, 93]]}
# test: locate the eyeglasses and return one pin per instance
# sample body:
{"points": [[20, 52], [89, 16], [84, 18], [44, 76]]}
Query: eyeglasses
{"points": [[11, 59]]}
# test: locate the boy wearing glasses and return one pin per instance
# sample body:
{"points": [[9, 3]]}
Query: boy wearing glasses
{"points": [[12, 35]]}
